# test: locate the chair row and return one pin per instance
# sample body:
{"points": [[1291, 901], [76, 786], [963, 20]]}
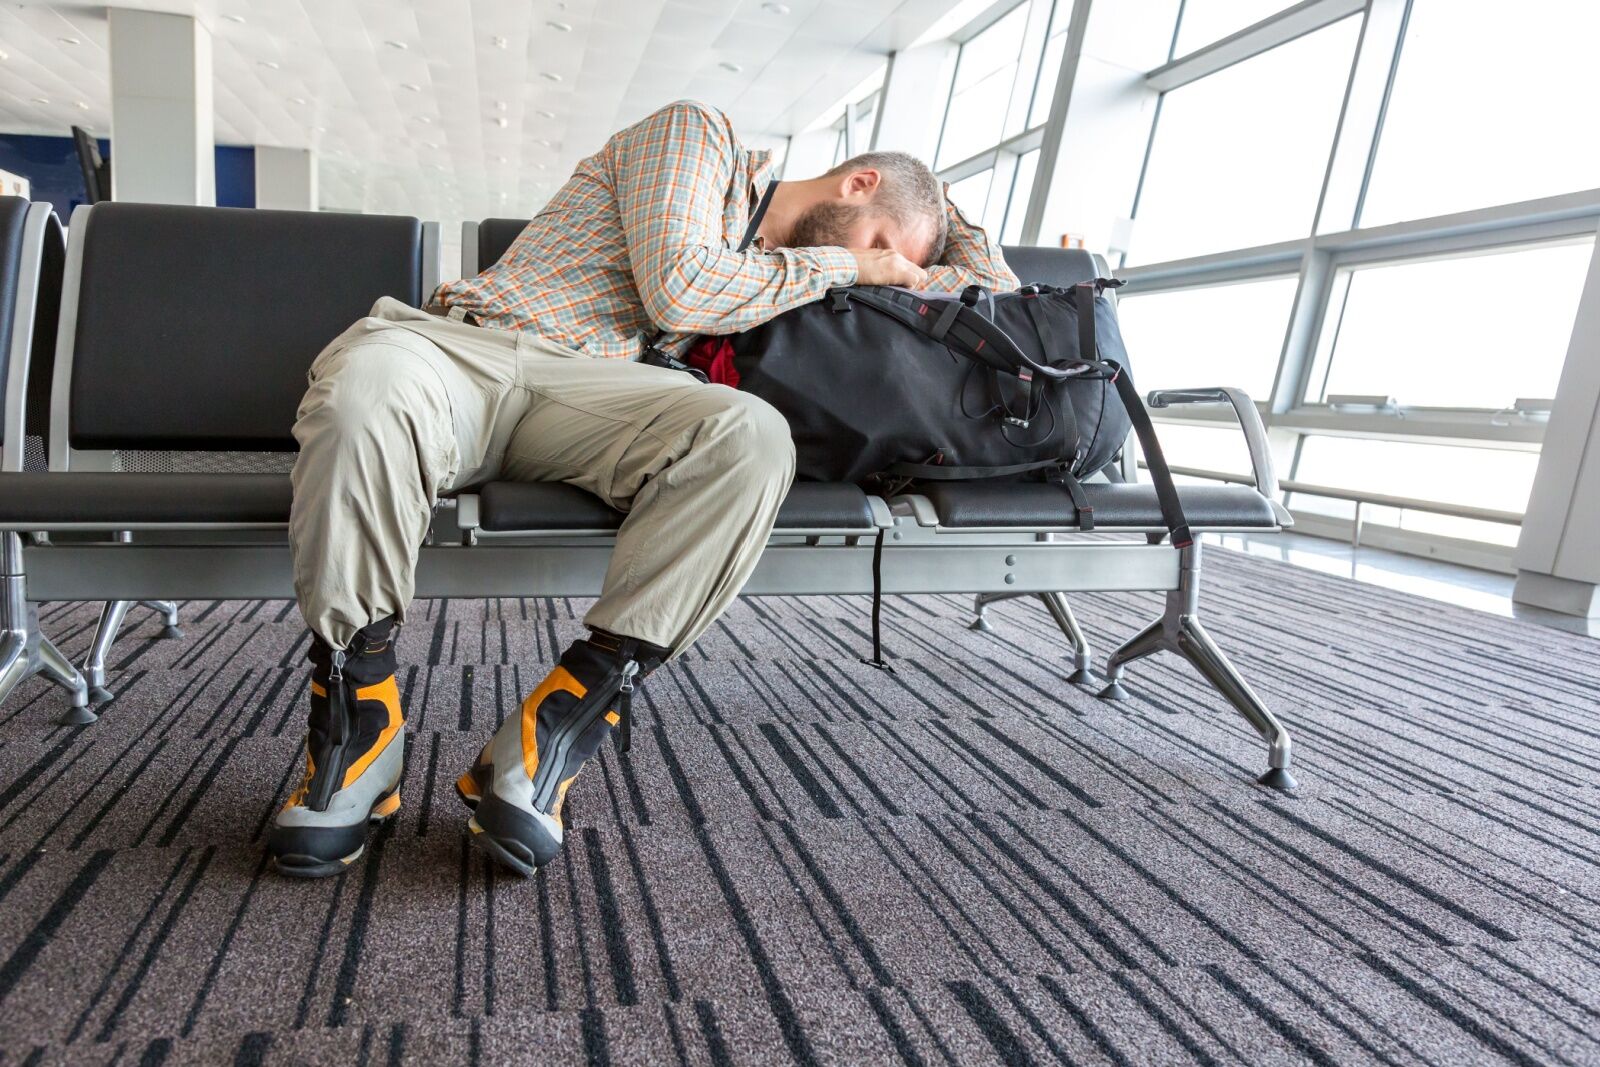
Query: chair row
{"points": [[179, 358]]}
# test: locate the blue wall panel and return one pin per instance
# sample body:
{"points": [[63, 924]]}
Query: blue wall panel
{"points": [[51, 164]]}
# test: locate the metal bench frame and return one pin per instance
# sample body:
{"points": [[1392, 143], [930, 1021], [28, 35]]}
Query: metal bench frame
{"points": [[919, 556]]}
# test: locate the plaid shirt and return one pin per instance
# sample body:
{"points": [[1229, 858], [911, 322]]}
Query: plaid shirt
{"points": [[642, 237]]}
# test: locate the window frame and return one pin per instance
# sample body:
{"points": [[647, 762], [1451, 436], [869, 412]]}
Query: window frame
{"points": [[1338, 245]]}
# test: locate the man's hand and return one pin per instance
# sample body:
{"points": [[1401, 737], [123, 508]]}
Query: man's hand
{"points": [[884, 266]]}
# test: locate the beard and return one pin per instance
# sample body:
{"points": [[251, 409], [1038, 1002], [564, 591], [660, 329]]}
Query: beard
{"points": [[827, 223]]}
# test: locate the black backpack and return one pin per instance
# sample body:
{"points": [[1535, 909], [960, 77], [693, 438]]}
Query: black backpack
{"points": [[884, 387]]}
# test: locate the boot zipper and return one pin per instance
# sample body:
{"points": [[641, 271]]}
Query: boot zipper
{"points": [[326, 785], [590, 708]]}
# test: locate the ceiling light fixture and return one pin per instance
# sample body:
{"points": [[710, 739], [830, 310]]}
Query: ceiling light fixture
{"points": [[81, 105], [544, 113], [40, 100], [69, 40], [425, 118], [560, 27], [550, 76], [502, 122], [297, 100], [501, 105], [233, 18], [4, 55], [776, 9], [400, 45], [269, 64], [411, 87], [731, 68], [319, 129], [500, 42], [501, 159]]}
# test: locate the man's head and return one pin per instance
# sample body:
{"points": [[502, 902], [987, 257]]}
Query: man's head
{"points": [[875, 200]]}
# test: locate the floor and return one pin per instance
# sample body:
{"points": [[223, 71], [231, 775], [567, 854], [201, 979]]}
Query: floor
{"points": [[1434, 579], [807, 860]]}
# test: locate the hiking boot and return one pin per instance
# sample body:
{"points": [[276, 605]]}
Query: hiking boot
{"points": [[355, 750], [520, 780]]}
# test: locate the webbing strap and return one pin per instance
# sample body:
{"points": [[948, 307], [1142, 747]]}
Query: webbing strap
{"points": [[1160, 473]]}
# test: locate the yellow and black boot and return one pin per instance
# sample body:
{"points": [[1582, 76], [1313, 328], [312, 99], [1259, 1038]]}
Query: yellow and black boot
{"points": [[355, 751], [517, 786]]}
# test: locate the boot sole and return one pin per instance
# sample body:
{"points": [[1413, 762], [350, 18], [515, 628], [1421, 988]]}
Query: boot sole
{"points": [[294, 865], [509, 854]]}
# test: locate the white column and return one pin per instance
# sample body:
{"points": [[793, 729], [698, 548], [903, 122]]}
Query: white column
{"points": [[914, 94], [1558, 554], [286, 178], [162, 146]]}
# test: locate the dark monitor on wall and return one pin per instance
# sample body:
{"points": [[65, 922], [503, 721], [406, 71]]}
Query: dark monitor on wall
{"points": [[96, 171]]}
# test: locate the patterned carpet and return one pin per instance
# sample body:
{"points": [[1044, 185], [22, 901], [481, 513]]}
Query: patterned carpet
{"points": [[805, 859]]}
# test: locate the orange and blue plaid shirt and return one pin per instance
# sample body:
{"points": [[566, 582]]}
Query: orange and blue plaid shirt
{"points": [[642, 238]]}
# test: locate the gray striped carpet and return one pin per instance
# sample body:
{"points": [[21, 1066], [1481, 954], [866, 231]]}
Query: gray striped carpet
{"points": [[804, 859]]}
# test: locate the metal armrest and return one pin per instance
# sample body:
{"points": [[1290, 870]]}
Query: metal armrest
{"points": [[1255, 434]]}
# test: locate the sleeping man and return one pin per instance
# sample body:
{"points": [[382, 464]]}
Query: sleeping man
{"points": [[530, 371]]}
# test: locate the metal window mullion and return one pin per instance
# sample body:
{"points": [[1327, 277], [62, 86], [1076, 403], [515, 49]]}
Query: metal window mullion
{"points": [[1272, 31], [1054, 127]]}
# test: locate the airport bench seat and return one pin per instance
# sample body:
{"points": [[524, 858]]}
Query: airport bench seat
{"points": [[515, 507], [1031, 506], [124, 501]]}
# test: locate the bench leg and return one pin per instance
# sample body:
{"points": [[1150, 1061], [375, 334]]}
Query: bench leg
{"points": [[1061, 611], [169, 617], [105, 635], [1179, 630], [24, 650], [980, 606]]}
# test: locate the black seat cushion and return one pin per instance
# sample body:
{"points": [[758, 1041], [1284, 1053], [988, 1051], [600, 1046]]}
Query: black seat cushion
{"points": [[974, 505], [507, 507], [195, 325], [52, 500]]}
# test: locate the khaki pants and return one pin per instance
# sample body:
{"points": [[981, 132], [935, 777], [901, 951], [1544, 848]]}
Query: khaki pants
{"points": [[406, 405]]}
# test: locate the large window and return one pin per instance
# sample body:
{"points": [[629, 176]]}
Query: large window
{"points": [[1443, 333], [1206, 21], [1491, 104], [1000, 97], [1224, 335], [1238, 157]]}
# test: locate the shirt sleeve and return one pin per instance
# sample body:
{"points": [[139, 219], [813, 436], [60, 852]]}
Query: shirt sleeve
{"points": [[673, 173], [970, 258]]}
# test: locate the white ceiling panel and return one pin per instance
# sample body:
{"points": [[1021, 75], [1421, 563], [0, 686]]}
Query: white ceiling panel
{"points": [[477, 107]]}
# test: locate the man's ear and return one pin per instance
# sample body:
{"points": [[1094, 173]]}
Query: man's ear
{"points": [[860, 184]]}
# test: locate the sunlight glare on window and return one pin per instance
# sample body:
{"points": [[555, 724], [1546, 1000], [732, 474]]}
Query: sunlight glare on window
{"points": [[1491, 105], [1437, 334], [1239, 156]]}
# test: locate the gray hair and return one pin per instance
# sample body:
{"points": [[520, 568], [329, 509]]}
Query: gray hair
{"points": [[908, 191]]}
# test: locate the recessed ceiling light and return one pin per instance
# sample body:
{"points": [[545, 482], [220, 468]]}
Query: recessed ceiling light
{"points": [[425, 119], [233, 18], [544, 113], [501, 105], [401, 45], [69, 40], [320, 129], [731, 68], [82, 106], [502, 122], [560, 27], [550, 76], [776, 9], [297, 100], [501, 159], [40, 100], [269, 64], [4, 55], [411, 87], [500, 42], [544, 166], [544, 142]]}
